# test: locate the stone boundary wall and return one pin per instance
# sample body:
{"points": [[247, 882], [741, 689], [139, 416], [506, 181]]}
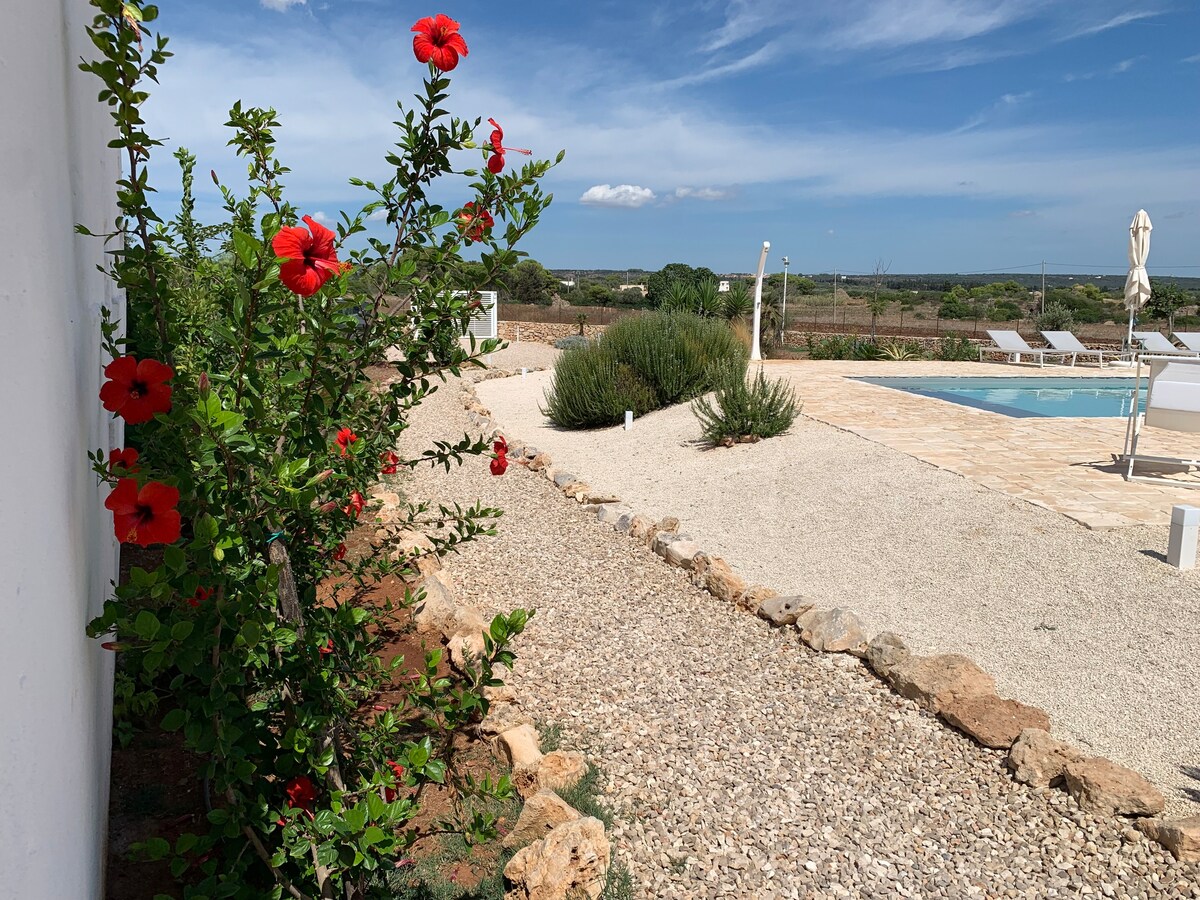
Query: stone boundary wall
{"points": [[797, 338], [950, 686], [558, 849], [549, 332], [544, 332]]}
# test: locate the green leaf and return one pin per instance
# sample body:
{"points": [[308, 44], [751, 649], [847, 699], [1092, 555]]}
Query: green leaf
{"points": [[251, 633], [175, 558], [418, 756], [373, 835], [146, 625], [181, 630], [247, 248], [356, 817], [173, 720]]}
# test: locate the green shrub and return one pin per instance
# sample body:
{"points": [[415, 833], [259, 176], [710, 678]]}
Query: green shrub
{"points": [[591, 389], [901, 350], [956, 348], [739, 408], [842, 347], [640, 364], [1056, 317], [572, 342]]}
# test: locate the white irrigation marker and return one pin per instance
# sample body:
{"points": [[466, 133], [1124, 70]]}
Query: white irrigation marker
{"points": [[1185, 527]]}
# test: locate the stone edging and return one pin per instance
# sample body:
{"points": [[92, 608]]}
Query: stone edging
{"points": [[950, 686], [558, 848]]}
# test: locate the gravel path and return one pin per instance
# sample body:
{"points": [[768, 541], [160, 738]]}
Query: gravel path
{"points": [[741, 764], [1087, 625]]}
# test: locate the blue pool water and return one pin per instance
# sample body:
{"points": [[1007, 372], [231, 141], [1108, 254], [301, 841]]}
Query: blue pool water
{"points": [[1025, 397]]}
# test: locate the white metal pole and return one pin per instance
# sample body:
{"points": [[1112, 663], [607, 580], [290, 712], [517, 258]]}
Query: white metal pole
{"points": [[783, 324], [1043, 286], [755, 347], [834, 327]]}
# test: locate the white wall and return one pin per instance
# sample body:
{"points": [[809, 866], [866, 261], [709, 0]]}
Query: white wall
{"points": [[56, 546]]}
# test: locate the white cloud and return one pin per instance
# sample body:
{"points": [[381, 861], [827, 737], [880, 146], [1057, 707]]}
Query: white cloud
{"points": [[759, 57], [702, 193], [1005, 103], [324, 218], [378, 216], [1115, 22], [626, 196], [1124, 65], [281, 5], [1191, 59], [882, 23], [1023, 214]]}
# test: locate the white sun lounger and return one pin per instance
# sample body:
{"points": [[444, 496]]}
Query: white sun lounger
{"points": [[1068, 343], [1156, 342], [1173, 404], [1189, 339], [1014, 345]]}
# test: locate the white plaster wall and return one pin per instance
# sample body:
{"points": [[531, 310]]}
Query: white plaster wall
{"points": [[57, 554]]}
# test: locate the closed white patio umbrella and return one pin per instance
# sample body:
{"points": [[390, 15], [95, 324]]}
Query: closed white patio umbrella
{"points": [[1137, 283]]}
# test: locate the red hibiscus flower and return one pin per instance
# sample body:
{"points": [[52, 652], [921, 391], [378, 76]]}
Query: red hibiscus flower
{"points": [[495, 162], [301, 794], [327, 649], [340, 553], [355, 506], [136, 391], [473, 224], [390, 461], [499, 464], [125, 459], [345, 438], [309, 257], [146, 516], [202, 594], [390, 794], [437, 40]]}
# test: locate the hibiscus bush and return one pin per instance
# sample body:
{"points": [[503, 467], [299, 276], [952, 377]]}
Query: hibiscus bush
{"points": [[264, 373]]}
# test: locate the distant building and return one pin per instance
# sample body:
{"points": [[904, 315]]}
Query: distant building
{"points": [[569, 284], [722, 287], [632, 287]]}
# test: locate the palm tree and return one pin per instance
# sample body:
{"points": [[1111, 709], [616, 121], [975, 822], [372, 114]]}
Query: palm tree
{"points": [[706, 301], [678, 298], [738, 301]]}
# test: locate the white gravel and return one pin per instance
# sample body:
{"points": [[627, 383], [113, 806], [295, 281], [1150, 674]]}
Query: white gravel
{"points": [[1091, 626], [741, 764]]}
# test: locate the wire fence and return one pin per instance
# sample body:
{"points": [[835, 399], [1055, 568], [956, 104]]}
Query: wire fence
{"points": [[825, 318]]}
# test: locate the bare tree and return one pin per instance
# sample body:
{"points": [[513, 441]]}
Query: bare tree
{"points": [[876, 305]]}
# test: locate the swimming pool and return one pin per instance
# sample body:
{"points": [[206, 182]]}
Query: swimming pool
{"points": [[1025, 397]]}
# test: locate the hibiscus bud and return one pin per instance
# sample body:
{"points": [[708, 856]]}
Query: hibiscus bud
{"points": [[203, 385], [327, 507], [213, 173], [115, 646], [323, 476]]}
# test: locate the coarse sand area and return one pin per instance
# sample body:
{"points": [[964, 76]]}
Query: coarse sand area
{"points": [[1090, 625]]}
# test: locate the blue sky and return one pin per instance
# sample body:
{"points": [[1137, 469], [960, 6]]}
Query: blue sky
{"points": [[935, 135]]}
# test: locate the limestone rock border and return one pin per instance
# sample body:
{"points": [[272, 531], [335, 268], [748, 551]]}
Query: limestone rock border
{"points": [[950, 686], [559, 851]]}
